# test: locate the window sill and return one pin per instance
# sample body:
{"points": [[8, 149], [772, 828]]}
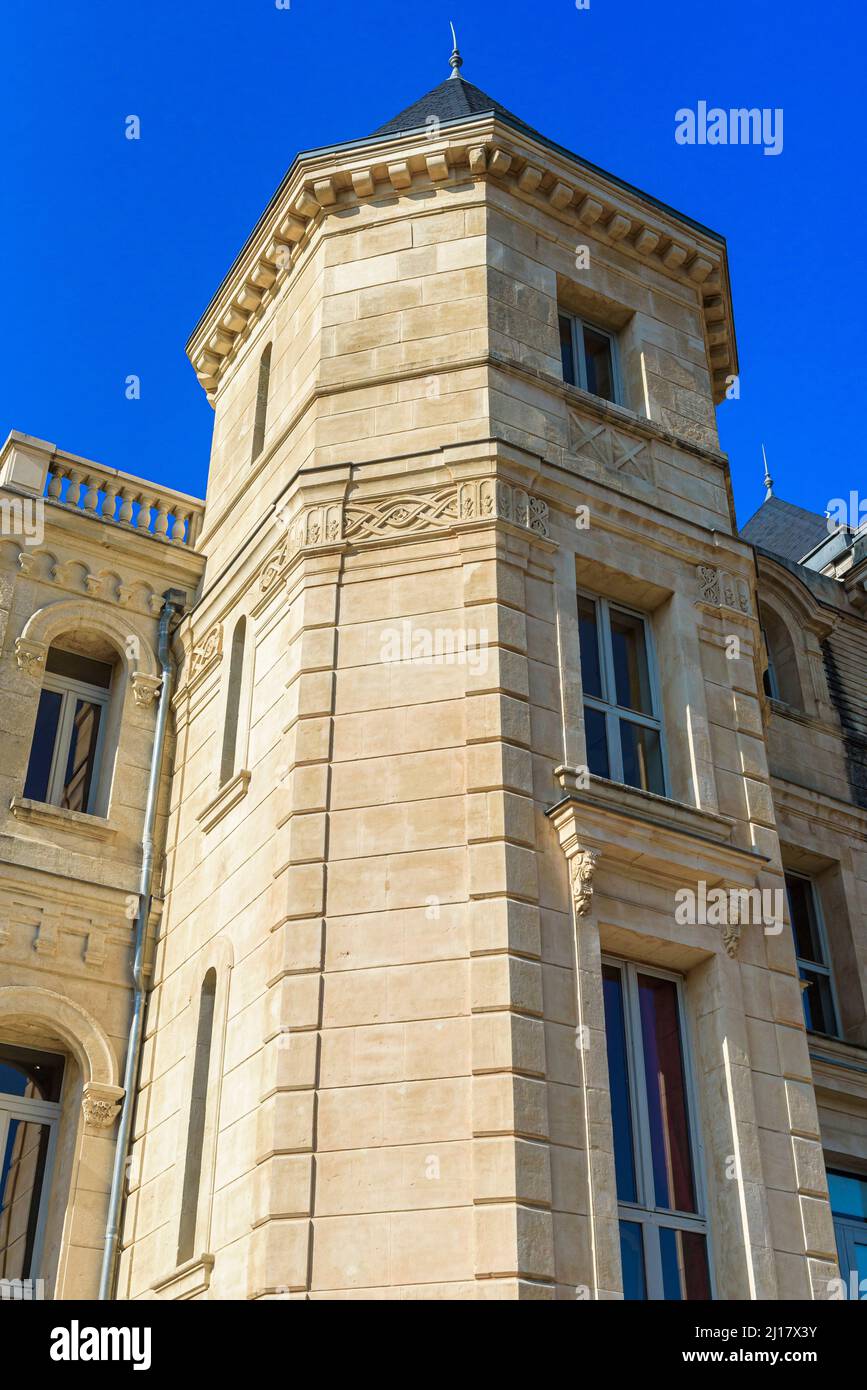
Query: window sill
{"points": [[58, 818], [227, 797], [187, 1281]]}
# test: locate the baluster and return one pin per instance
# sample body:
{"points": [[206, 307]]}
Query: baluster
{"points": [[143, 521], [110, 503], [176, 527], [55, 487], [73, 492], [91, 496], [161, 524], [127, 496]]}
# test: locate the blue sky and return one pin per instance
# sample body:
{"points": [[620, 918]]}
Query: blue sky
{"points": [[112, 248]]}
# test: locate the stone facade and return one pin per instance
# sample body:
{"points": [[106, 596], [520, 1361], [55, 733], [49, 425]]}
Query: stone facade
{"points": [[388, 883]]}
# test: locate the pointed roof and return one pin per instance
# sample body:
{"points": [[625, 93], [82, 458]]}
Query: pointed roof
{"points": [[785, 529], [453, 100]]}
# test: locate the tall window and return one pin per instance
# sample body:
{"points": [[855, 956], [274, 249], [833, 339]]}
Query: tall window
{"points": [[30, 1085], [663, 1233], [848, 1193], [233, 702], [811, 951], [621, 702], [781, 680], [261, 417], [589, 358], [68, 737], [198, 1113]]}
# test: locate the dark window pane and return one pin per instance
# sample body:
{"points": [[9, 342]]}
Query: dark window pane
{"points": [[632, 1260], [21, 1175], [684, 1265], [848, 1195], [600, 368], [618, 1080], [666, 1094], [802, 910], [567, 354], [82, 756], [597, 741], [588, 635], [629, 650], [642, 757], [818, 1000], [42, 750], [24, 1072], [78, 668]]}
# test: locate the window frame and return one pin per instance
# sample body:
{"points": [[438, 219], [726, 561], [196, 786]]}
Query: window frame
{"points": [[824, 967], [649, 1214], [848, 1230], [30, 1110], [577, 324], [72, 690], [612, 712]]}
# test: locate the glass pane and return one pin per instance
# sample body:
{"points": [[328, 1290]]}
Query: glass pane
{"points": [[21, 1175], [618, 1081], [588, 634], [819, 1014], [848, 1195], [597, 741], [82, 756], [632, 1260], [23, 1072], [666, 1094], [78, 668], [629, 650], [567, 353], [642, 757], [684, 1265], [600, 368], [42, 749], [802, 910]]}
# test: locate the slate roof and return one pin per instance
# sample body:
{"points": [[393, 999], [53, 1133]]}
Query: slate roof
{"points": [[450, 101], [785, 529]]}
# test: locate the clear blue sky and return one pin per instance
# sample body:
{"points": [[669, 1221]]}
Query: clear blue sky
{"points": [[112, 248]]}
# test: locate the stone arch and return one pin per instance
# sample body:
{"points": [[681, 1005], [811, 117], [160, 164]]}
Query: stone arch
{"points": [[54, 619], [84, 1035]]}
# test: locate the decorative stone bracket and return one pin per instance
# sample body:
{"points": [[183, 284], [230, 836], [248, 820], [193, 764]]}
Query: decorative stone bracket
{"points": [[31, 656], [101, 1104], [145, 688], [582, 868]]}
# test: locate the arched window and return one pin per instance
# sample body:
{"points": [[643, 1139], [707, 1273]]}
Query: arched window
{"points": [[69, 734], [781, 679], [198, 1116], [233, 702], [261, 417]]}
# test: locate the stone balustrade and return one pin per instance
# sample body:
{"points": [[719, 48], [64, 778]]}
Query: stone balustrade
{"points": [[125, 500]]}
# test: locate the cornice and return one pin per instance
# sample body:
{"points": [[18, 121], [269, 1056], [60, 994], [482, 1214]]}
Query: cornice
{"points": [[478, 149]]}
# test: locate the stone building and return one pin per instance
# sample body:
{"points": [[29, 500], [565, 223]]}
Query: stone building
{"points": [[506, 931]]}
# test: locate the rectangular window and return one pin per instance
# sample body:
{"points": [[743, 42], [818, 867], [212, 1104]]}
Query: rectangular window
{"points": [[64, 756], [30, 1085], [589, 358], [811, 951], [848, 1193], [621, 704], [663, 1231]]}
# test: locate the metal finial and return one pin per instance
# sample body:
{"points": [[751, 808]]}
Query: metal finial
{"points": [[456, 62], [769, 482]]}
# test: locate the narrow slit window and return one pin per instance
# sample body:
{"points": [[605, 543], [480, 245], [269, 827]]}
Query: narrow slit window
{"points": [[261, 417], [198, 1116], [233, 702]]}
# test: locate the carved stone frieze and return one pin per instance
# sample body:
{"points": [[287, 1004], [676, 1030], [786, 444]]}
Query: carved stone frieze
{"points": [[609, 448], [720, 589], [206, 653]]}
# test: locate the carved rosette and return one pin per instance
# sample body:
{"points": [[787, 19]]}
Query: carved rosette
{"points": [[31, 657], [145, 688], [100, 1105], [582, 869]]}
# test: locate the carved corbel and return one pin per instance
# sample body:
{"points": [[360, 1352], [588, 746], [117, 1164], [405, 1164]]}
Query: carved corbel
{"points": [[144, 688], [31, 656], [582, 869], [100, 1104]]}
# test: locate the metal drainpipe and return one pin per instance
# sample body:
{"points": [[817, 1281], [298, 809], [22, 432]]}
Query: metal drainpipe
{"points": [[174, 602]]}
